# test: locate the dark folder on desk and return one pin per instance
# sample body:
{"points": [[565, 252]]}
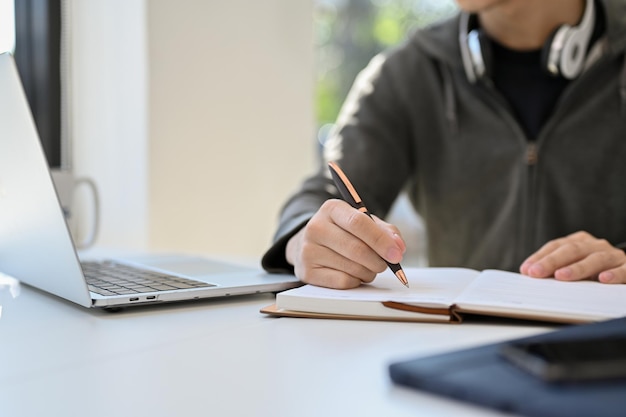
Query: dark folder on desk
{"points": [[481, 376]]}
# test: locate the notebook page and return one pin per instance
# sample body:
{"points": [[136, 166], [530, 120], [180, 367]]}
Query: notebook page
{"points": [[508, 292], [429, 287]]}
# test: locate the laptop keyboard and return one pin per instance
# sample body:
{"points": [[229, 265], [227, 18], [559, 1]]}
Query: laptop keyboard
{"points": [[111, 278]]}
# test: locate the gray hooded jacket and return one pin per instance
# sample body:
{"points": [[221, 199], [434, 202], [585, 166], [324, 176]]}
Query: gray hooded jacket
{"points": [[488, 195]]}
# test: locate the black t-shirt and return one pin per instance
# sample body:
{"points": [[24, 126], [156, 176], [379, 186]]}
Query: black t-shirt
{"points": [[530, 90]]}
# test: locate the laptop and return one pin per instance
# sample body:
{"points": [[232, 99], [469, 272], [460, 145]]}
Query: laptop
{"points": [[482, 376], [36, 246]]}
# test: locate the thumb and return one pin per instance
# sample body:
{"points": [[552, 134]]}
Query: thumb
{"points": [[393, 231]]}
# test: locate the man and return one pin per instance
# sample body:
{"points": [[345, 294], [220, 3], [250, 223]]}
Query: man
{"points": [[505, 125]]}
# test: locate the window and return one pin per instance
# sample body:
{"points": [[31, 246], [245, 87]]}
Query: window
{"points": [[37, 55], [348, 33], [7, 26]]}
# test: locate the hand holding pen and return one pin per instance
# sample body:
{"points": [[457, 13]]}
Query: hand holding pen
{"points": [[349, 194], [341, 248]]}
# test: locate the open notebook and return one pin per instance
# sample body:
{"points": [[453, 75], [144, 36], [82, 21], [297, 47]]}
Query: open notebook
{"points": [[37, 248], [446, 294]]}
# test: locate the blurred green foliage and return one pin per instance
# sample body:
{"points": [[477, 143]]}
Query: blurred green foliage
{"points": [[348, 33]]}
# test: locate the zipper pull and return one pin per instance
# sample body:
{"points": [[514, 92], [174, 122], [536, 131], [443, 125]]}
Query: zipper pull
{"points": [[531, 153]]}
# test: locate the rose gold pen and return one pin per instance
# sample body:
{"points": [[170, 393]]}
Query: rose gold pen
{"points": [[349, 194]]}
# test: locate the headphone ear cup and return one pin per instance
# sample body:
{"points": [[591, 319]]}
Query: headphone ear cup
{"points": [[552, 49], [573, 55], [565, 51]]}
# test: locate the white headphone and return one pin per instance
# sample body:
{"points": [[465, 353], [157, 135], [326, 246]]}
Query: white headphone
{"points": [[563, 54]]}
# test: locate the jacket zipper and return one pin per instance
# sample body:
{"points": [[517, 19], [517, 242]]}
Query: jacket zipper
{"points": [[527, 232], [524, 232], [531, 153], [532, 156]]}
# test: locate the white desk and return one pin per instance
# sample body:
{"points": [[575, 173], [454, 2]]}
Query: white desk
{"points": [[216, 358]]}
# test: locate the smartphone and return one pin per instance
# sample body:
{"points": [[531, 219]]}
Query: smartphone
{"points": [[570, 360]]}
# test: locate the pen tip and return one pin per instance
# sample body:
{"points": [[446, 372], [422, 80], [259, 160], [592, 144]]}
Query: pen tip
{"points": [[402, 277]]}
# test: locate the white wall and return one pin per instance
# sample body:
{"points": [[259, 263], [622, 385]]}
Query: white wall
{"points": [[195, 118], [109, 74], [231, 119]]}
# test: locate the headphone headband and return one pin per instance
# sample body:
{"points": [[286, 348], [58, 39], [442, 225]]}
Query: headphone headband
{"points": [[563, 54]]}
